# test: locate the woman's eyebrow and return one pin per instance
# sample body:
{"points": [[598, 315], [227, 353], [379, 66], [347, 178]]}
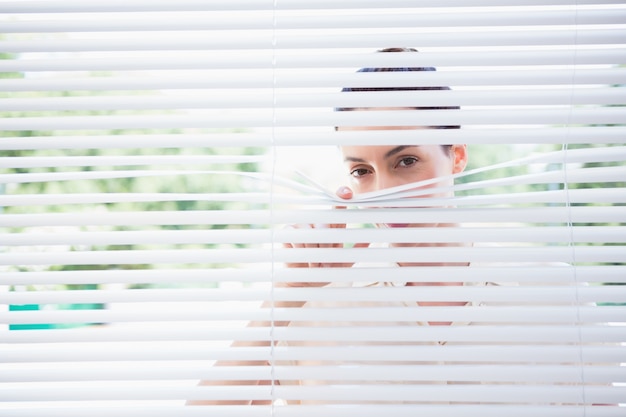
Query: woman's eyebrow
{"points": [[353, 159], [398, 149], [389, 153]]}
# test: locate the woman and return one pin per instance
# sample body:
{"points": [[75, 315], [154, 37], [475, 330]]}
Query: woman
{"points": [[374, 168], [370, 168]]}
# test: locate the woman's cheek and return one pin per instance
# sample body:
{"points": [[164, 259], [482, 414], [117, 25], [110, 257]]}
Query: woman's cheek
{"points": [[360, 185]]}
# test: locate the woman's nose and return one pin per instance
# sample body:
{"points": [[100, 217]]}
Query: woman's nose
{"points": [[384, 181]]}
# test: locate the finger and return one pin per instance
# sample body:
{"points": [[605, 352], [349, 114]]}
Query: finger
{"points": [[338, 225], [344, 193], [317, 245], [294, 264], [335, 226], [289, 245]]}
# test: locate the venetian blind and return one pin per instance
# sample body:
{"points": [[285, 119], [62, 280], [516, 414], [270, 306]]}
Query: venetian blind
{"points": [[155, 153]]}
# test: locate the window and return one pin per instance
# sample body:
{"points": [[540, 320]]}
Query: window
{"points": [[155, 155]]}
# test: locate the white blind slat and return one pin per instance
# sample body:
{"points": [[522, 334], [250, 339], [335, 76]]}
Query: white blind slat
{"points": [[198, 5], [475, 136], [369, 410], [525, 294], [29, 354], [264, 100], [256, 41], [386, 20], [553, 197], [500, 234], [608, 154], [155, 153], [215, 61], [471, 215], [564, 315], [460, 393], [501, 273], [413, 373], [609, 115], [424, 255], [362, 334]]}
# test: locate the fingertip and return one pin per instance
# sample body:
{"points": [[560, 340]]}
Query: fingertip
{"points": [[345, 193]]}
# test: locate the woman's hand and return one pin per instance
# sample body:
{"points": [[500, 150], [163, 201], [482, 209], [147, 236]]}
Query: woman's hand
{"points": [[346, 194]]}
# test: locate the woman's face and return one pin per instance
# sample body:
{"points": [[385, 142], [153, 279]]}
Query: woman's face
{"points": [[373, 168]]}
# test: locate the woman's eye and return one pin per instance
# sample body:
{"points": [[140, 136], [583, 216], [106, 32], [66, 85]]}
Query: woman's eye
{"points": [[408, 161], [359, 172]]}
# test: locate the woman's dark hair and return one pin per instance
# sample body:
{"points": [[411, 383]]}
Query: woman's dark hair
{"points": [[400, 69]]}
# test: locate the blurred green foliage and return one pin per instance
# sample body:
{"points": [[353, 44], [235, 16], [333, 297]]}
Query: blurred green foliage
{"points": [[180, 180]]}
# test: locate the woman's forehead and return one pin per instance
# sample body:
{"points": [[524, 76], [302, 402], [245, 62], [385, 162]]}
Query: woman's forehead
{"points": [[382, 150]]}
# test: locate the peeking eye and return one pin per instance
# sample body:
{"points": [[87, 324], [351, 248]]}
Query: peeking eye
{"points": [[359, 172], [407, 161]]}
